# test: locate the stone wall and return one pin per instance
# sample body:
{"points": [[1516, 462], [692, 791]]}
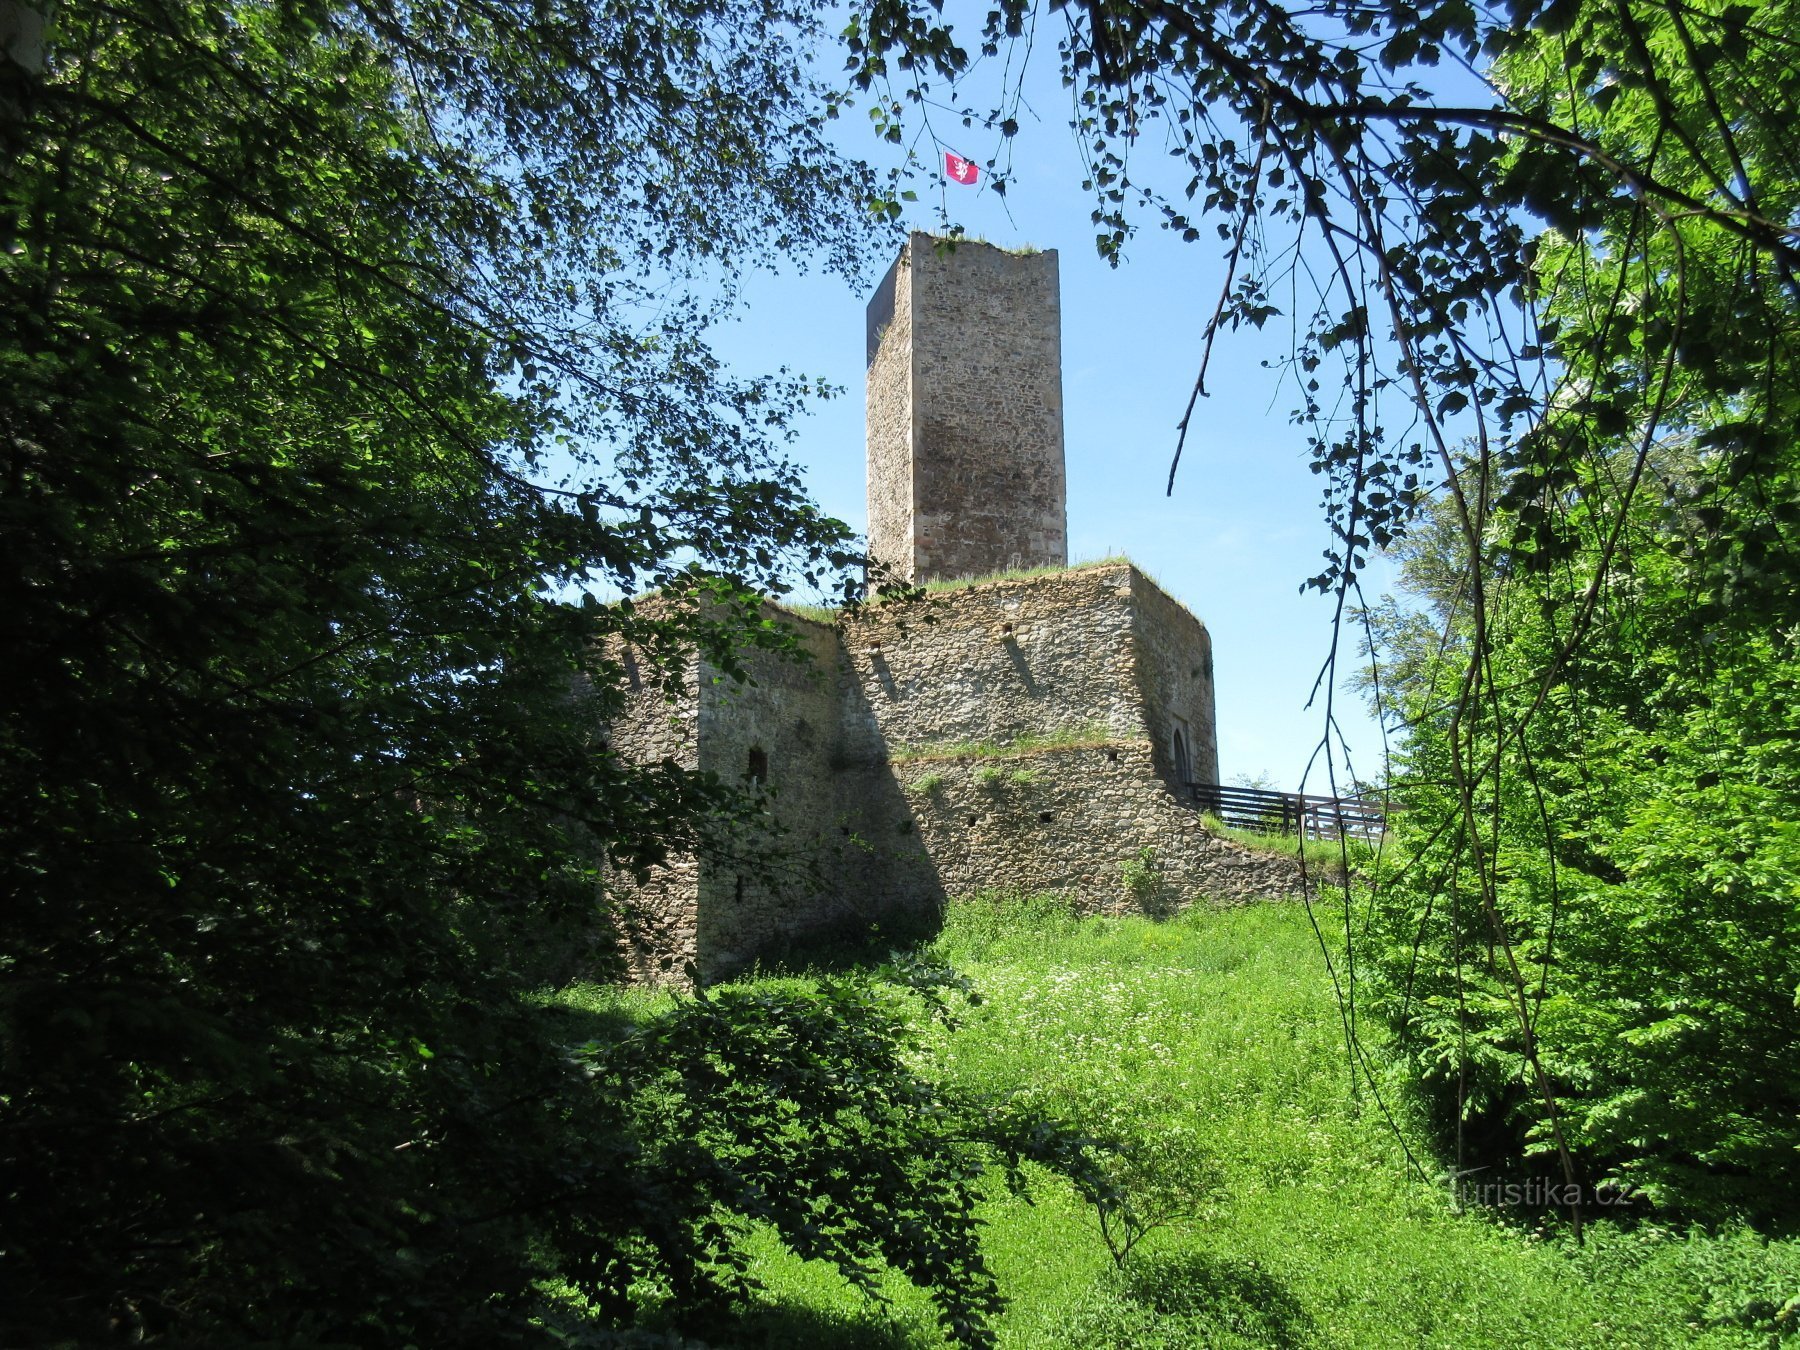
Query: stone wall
{"points": [[1011, 734], [966, 474], [827, 855], [1033, 656], [658, 917], [822, 863], [1072, 820]]}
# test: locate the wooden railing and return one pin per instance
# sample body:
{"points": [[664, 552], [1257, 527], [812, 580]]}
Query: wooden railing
{"points": [[1290, 812]]}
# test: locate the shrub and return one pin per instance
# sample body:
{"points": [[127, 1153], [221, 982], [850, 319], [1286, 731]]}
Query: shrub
{"points": [[1142, 879]]}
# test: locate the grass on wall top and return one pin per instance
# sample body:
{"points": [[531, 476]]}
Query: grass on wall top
{"points": [[832, 613], [1088, 736]]}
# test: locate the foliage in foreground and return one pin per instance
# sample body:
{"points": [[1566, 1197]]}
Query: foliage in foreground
{"points": [[1601, 951], [795, 1107], [334, 374]]}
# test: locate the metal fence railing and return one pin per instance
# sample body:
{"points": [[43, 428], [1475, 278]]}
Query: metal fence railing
{"points": [[1290, 812]]}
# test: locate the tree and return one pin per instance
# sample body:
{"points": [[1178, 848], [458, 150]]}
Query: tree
{"points": [[343, 362], [1643, 875], [1607, 750]]}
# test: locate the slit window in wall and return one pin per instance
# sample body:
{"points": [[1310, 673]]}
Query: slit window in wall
{"points": [[1181, 755], [757, 770]]}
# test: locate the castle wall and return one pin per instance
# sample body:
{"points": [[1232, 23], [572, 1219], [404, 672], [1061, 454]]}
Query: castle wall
{"points": [[1012, 734], [1027, 723], [658, 917], [966, 474], [815, 868], [834, 851]]}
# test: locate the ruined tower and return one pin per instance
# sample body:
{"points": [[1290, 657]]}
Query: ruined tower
{"points": [[965, 419], [1088, 690]]}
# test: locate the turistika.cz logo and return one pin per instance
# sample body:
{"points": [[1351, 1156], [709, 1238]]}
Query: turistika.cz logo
{"points": [[1531, 1193]]}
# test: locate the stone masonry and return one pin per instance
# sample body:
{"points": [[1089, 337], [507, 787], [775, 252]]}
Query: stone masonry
{"points": [[965, 417], [1012, 734], [1032, 732]]}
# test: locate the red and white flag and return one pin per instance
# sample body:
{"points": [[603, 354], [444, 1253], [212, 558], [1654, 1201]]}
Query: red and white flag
{"points": [[960, 170]]}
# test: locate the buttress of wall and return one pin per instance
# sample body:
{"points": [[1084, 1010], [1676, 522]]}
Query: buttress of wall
{"points": [[890, 429], [1175, 679], [657, 919], [834, 855], [774, 733]]}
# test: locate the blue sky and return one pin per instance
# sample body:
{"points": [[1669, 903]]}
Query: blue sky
{"points": [[1243, 529]]}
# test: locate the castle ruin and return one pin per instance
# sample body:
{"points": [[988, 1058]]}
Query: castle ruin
{"points": [[1035, 731]]}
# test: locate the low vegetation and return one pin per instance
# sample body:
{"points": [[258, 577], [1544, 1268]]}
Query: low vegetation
{"points": [[1328, 857], [831, 613], [1273, 1209], [1088, 736], [1019, 574]]}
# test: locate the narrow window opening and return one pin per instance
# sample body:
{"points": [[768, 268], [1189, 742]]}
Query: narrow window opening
{"points": [[758, 770]]}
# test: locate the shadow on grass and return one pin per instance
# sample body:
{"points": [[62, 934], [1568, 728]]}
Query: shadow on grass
{"points": [[784, 1325], [840, 951], [1192, 1298], [585, 1022]]}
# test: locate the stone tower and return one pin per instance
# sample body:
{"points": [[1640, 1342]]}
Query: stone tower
{"points": [[965, 418]]}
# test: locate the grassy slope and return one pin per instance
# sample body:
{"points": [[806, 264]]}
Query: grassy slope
{"points": [[1215, 1035]]}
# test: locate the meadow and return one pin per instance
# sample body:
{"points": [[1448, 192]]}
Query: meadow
{"points": [[1290, 1214]]}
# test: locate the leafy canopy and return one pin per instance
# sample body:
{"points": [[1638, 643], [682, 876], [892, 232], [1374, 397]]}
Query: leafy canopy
{"points": [[349, 348]]}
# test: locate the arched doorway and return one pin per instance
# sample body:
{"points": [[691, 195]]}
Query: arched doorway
{"points": [[1180, 755]]}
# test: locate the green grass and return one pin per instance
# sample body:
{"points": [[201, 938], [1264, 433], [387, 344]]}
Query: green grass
{"points": [[1322, 855], [1092, 736], [817, 613], [1024, 250], [1018, 574], [1214, 1038]]}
